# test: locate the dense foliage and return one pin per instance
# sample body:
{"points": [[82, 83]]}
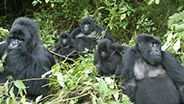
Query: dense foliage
{"points": [[124, 19]]}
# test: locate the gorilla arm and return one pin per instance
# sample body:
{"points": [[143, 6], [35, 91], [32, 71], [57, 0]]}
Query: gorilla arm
{"points": [[25, 65], [108, 35], [97, 61], [127, 73], [119, 48], [175, 71], [75, 32]]}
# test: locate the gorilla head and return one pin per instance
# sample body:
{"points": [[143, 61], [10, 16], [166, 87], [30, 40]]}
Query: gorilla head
{"points": [[87, 25], [64, 39], [23, 34], [149, 48], [104, 48]]}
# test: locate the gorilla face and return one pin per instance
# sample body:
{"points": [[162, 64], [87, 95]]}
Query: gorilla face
{"points": [[150, 48], [87, 25], [23, 35], [14, 44], [104, 48], [64, 39], [14, 39]]}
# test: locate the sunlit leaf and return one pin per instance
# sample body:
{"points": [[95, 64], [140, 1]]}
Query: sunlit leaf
{"points": [[108, 80], [157, 1], [123, 16], [23, 99], [11, 92], [177, 45], [46, 1], [38, 98], [150, 2]]}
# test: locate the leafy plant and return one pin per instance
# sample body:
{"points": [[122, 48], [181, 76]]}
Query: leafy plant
{"points": [[174, 37]]}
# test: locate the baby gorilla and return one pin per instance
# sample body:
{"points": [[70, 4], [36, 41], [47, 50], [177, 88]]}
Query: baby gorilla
{"points": [[106, 60], [66, 48]]}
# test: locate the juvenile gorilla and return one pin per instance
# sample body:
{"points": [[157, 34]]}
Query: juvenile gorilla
{"points": [[88, 33], [106, 60], [152, 76], [66, 46], [27, 57]]}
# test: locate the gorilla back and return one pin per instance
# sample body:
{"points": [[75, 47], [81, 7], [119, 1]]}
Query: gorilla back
{"points": [[27, 57]]}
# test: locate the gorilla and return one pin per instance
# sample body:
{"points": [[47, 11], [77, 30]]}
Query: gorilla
{"points": [[106, 59], [65, 46], [150, 75], [88, 33], [27, 57]]}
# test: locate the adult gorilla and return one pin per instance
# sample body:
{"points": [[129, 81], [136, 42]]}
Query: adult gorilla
{"points": [[27, 57], [152, 76], [88, 33]]}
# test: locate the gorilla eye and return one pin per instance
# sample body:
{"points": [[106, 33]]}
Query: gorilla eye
{"points": [[152, 44], [156, 44]]}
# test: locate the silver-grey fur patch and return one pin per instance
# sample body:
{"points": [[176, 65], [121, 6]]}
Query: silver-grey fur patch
{"points": [[143, 70]]}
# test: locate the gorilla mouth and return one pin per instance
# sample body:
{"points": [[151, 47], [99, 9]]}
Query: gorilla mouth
{"points": [[64, 45], [15, 43]]}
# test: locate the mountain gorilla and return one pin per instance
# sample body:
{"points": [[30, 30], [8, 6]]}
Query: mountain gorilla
{"points": [[65, 46], [106, 59], [27, 57], [152, 76], [88, 33]]}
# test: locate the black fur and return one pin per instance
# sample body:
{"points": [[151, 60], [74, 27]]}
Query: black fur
{"points": [[152, 76], [88, 33], [27, 57], [66, 46], [106, 60]]}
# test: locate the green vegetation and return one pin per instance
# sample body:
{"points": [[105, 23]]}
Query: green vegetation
{"points": [[124, 19]]}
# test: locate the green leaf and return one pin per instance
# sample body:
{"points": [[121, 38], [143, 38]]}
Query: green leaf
{"points": [[112, 92], [85, 89], [123, 16], [126, 99], [11, 92], [180, 8], [3, 58], [150, 2], [102, 87], [114, 102], [23, 99], [19, 84], [157, 1], [46, 1]]}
